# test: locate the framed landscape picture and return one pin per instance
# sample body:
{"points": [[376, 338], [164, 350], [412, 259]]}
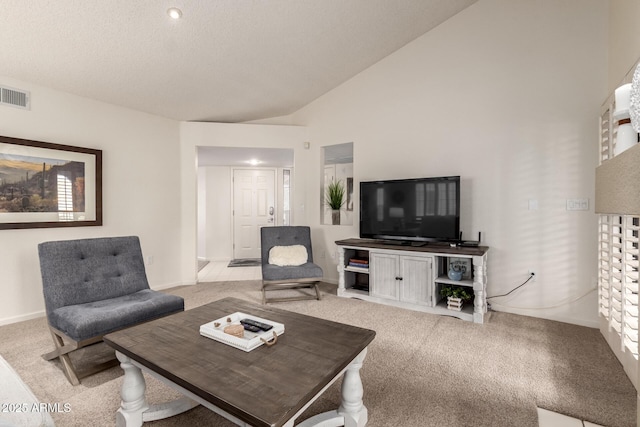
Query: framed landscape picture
{"points": [[43, 184]]}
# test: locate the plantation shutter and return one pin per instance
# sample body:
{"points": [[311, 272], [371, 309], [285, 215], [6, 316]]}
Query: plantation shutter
{"points": [[629, 271], [605, 136], [604, 226], [604, 279], [618, 264]]}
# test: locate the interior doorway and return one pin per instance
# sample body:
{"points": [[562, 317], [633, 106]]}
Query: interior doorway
{"points": [[215, 232]]}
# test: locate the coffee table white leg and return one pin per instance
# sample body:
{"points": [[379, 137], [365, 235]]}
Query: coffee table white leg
{"points": [[133, 403], [352, 412], [352, 408]]}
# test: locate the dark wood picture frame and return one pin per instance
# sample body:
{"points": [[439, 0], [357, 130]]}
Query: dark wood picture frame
{"points": [[29, 197]]}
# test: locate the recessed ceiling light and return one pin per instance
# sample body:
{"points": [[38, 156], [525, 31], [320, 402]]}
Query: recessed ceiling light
{"points": [[174, 13]]}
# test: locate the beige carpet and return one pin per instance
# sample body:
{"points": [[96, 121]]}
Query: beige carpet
{"points": [[421, 370]]}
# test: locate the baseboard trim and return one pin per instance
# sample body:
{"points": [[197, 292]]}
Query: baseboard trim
{"points": [[171, 285], [22, 318], [558, 318]]}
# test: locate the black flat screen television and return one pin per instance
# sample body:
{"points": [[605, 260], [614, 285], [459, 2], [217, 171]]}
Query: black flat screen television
{"points": [[421, 209]]}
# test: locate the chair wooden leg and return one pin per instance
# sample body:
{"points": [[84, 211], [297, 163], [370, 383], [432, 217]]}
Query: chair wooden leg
{"points": [[67, 348], [62, 350], [291, 285]]}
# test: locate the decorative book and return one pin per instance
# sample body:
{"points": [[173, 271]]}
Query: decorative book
{"points": [[249, 340]]}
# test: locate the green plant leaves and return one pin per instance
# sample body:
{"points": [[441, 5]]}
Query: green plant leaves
{"points": [[335, 195], [456, 292]]}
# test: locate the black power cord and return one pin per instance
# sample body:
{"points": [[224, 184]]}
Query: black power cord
{"points": [[531, 275]]}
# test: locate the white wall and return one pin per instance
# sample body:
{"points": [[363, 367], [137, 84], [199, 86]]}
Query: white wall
{"points": [[202, 213], [141, 188], [505, 94], [219, 235], [624, 39]]}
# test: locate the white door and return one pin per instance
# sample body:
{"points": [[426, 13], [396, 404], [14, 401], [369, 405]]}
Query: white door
{"points": [[253, 208]]}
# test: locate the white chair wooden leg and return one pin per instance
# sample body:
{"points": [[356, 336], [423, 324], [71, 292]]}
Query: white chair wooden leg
{"points": [[133, 403]]}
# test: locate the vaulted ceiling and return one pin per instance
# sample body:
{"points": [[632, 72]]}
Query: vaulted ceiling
{"points": [[223, 61]]}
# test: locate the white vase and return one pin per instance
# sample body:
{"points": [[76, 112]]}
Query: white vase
{"points": [[626, 138]]}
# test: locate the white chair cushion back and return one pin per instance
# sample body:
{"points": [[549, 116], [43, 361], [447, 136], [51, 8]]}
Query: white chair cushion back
{"points": [[292, 255]]}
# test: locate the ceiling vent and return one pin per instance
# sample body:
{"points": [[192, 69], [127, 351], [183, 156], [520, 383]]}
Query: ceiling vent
{"points": [[15, 98]]}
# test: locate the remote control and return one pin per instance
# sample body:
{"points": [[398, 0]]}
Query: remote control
{"points": [[251, 328], [263, 326]]}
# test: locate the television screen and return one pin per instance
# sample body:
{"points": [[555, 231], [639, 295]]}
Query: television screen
{"points": [[422, 209]]}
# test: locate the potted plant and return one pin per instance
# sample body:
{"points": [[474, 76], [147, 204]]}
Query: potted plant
{"points": [[456, 296], [335, 199]]}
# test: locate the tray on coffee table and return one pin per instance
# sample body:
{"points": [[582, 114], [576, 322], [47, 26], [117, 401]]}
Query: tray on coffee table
{"points": [[250, 340]]}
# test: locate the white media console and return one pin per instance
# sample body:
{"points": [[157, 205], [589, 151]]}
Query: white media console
{"points": [[411, 276]]}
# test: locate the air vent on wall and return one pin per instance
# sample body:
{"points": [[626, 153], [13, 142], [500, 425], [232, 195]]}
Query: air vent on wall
{"points": [[15, 98]]}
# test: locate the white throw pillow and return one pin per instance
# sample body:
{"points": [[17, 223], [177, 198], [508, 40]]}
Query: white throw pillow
{"points": [[288, 255]]}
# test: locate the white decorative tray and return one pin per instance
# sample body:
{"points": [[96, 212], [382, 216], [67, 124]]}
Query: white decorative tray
{"points": [[250, 340]]}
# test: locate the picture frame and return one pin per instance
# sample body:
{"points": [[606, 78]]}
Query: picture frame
{"points": [[45, 185]]}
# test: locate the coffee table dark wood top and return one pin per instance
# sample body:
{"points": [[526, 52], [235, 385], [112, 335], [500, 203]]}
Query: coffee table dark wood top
{"points": [[264, 387]]}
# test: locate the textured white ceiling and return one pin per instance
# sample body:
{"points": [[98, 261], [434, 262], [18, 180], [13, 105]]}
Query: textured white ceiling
{"points": [[225, 60]]}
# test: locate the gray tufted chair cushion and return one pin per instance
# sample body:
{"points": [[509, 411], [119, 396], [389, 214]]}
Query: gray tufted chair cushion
{"points": [[95, 286]]}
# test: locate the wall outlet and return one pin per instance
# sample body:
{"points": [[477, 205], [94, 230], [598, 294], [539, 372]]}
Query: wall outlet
{"points": [[577, 204]]}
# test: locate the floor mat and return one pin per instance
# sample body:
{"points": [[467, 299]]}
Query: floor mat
{"points": [[202, 264], [244, 262]]}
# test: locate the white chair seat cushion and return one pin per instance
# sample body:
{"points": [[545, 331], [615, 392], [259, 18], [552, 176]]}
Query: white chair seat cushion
{"points": [[292, 255]]}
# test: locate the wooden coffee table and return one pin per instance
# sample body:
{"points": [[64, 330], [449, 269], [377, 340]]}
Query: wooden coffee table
{"points": [[268, 386]]}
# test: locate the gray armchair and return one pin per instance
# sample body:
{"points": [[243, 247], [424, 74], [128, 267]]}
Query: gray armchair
{"points": [[93, 287], [276, 277]]}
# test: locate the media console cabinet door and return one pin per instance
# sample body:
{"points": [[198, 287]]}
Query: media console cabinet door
{"points": [[416, 286], [383, 271]]}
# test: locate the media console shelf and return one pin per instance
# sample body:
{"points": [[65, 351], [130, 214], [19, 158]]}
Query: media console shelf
{"points": [[411, 276]]}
